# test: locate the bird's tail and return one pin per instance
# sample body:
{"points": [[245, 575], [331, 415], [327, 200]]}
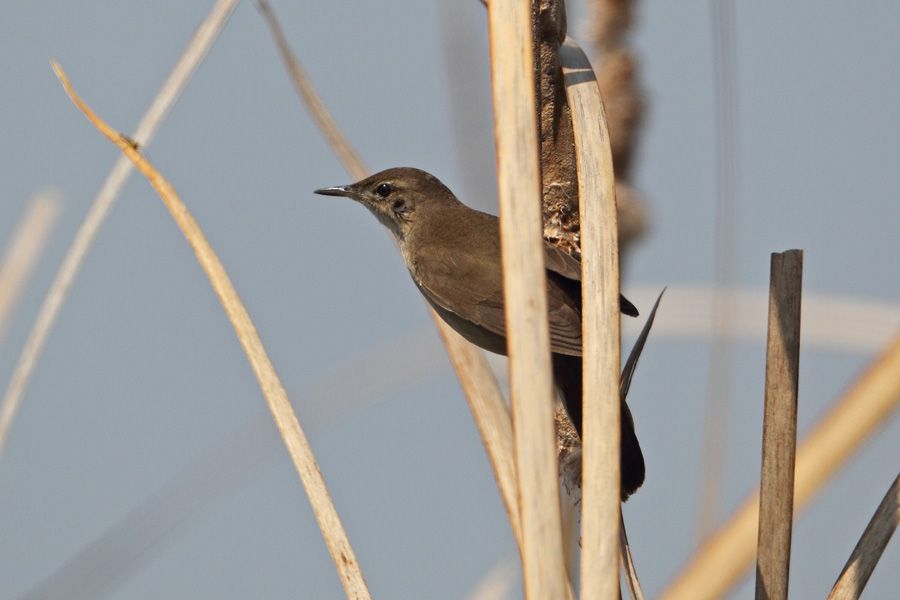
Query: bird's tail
{"points": [[567, 375]]}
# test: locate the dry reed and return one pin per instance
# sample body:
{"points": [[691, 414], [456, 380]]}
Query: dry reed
{"points": [[601, 333], [196, 49], [524, 282], [631, 577], [875, 538], [283, 413], [29, 239], [18, 265], [724, 558], [776, 488], [823, 452]]}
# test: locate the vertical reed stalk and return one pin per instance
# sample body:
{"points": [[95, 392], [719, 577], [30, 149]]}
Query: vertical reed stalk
{"points": [[773, 556], [283, 413], [601, 477], [524, 284], [724, 558]]}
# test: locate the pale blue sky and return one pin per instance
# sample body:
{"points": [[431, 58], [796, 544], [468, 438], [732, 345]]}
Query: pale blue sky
{"points": [[142, 376]]}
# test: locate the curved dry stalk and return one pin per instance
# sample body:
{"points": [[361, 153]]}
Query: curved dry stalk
{"points": [[868, 550], [329, 127], [18, 264], [727, 554], [482, 393], [524, 282], [631, 577], [283, 413], [196, 49], [601, 478], [29, 240]]}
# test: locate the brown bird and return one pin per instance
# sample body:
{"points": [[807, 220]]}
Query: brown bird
{"points": [[453, 254]]}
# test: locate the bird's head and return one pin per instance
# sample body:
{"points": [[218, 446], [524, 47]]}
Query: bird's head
{"points": [[398, 197]]}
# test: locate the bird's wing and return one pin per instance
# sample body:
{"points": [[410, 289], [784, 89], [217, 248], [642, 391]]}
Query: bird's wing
{"points": [[569, 267], [472, 289], [562, 262], [564, 314]]}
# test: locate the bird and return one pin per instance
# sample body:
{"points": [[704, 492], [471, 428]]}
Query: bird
{"points": [[452, 252]]}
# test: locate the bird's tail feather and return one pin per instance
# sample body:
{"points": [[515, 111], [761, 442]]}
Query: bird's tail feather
{"points": [[567, 375]]}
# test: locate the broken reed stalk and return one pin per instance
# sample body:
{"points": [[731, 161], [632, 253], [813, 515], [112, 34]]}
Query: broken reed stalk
{"points": [[196, 49], [724, 558], [479, 385], [524, 285], [868, 550], [28, 242], [776, 488], [283, 413], [601, 480]]}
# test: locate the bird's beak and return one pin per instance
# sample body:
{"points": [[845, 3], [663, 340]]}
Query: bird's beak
{"points": [[339, 190]]}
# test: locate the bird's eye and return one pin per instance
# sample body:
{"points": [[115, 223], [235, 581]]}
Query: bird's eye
{"points": [[384, 190]]}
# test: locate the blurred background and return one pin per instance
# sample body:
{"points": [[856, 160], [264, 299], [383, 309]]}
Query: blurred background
{"points": [[143, 462]]}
